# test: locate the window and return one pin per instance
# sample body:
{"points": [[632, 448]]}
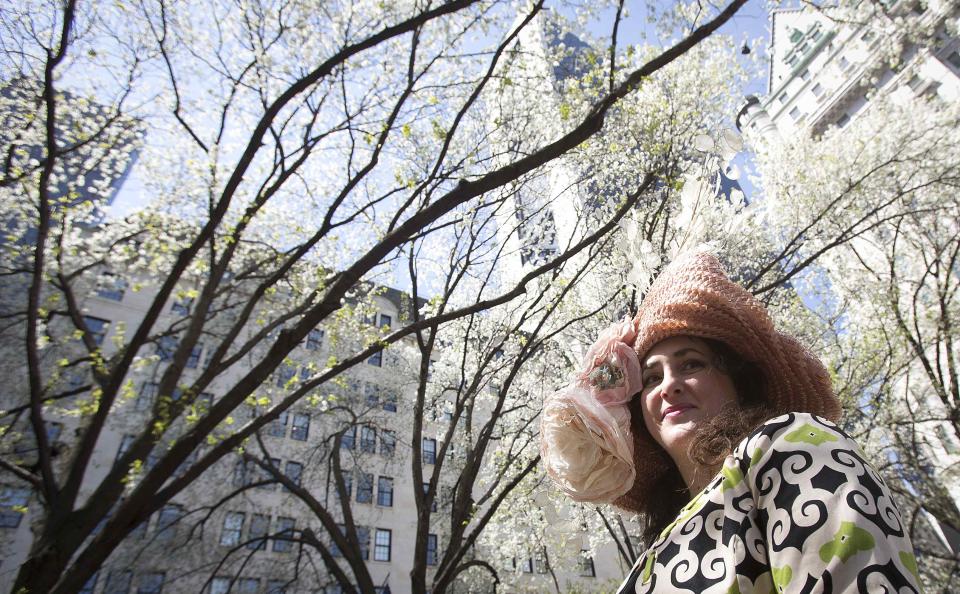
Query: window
{"points": [[381, 545], [301, 427], [368, 439], [433, 504], [372, 394], [385, 491], [795, 113], [376, 359], [349, 437], [540, 561], [283, 542], [259, 527], [13, 503], [118, 582], [166, 346], [244, 473], [276, 587], [53, 431], [805, 75], [363, 539], [365, 488], [953, 58], [585, 564], [817, 90], [388, 442], [232, 527], [150, 583], [278, 426], [293, 471], [783, 98], [112, 287], [844, 63], [843, 120], [431, 549], [97, 327], [182, 306], [385, 321], [194, 360], [315, 340], [248, 585], [429, 450], [285, 373], [170, 514], [390, 401], [220, 585]]}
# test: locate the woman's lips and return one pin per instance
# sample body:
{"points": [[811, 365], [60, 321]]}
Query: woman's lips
{"points": [[676, 410]]}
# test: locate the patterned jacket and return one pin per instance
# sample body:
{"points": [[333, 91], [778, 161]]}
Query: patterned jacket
{"points": [[795, 508]]}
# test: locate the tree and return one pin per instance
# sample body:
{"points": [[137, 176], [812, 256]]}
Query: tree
{"points": [[872, 208], [268, 134]]}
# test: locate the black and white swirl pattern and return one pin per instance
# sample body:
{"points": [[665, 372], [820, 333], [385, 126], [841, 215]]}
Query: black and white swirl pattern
{"points": [[806, 514]]}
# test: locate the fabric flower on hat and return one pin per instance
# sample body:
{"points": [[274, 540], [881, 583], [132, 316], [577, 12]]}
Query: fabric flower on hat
{"points": [[611, 368], [586, 447]]}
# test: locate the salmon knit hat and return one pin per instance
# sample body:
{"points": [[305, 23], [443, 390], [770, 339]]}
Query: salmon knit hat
{"points": [[692, 296]]}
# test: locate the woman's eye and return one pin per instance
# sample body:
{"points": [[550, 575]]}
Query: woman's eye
{"points": [[693, 365], [651, 380]]}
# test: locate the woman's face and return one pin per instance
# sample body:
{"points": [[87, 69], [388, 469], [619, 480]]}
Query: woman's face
{"points": [[681, 388]]}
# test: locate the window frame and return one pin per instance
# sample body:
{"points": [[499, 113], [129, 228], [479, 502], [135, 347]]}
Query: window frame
{"points": [[258, 531], [283, 537], [382, 547], [432, 450], [365, 487], [385, 491], [230, 535], [300, 427], [368, 439]]}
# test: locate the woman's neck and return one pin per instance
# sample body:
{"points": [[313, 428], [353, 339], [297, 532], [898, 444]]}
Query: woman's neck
{"points": [[696, 476]]}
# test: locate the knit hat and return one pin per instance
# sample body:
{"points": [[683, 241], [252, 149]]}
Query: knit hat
{"points": [[692, 296]]}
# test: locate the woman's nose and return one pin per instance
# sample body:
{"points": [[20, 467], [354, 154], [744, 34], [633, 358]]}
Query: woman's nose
{"points": [[671, 384]]}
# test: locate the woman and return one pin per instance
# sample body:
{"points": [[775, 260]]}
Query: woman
{"points": [[720, 430]]}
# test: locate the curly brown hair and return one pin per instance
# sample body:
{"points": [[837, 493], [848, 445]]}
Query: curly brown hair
{"points": [[713, 441]]}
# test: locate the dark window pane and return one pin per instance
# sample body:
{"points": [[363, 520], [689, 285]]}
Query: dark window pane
{"points": [[118, 582], [259, 527], [315, 340], [97, 327], [282, 541], [368, 439], [385, 491], [365, 488], [301, 427], [431, 549], [293, 471], [429, 450], [150, 583]]}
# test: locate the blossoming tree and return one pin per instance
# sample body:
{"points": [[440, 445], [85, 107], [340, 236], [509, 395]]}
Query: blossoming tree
{"points": [[290, 156]]}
